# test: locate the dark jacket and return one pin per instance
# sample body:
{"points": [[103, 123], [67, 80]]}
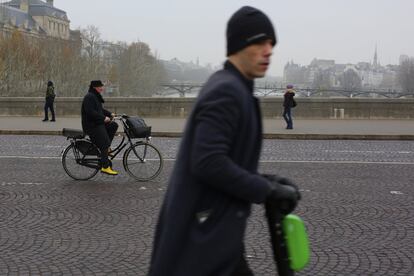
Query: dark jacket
{"points": [[288, 98], [203, 218], [50, 92], [93, 113]]}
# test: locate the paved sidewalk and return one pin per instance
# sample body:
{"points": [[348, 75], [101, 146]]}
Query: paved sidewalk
{"points": [[273, 128]]}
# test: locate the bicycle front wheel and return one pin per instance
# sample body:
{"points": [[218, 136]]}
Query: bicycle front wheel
{"points": [[79, 166], [143, 161]]}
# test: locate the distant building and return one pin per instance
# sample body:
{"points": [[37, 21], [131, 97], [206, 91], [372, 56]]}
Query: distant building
{"points": [[294, 73], [35, 18], [186, 72], [326, 73]]}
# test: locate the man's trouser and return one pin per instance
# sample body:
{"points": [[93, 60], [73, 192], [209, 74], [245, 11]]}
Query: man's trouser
{"points": [[102, 137], [49, 105], [287, 115]]}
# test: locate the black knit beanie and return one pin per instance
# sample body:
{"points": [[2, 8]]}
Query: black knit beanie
{"points": [[96, 83], [247, 26]]}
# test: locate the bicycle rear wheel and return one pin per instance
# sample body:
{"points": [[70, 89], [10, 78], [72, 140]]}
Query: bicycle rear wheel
{"points": [[79, 166], [143, 161]]}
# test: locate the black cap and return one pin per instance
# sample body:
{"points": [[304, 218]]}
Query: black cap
{"points": [[247, 26], [96, 83]]}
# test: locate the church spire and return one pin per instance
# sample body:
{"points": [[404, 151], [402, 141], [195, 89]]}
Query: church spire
{"points": [[375, 62]]}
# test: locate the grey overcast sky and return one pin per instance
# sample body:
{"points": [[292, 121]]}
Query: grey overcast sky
{"points": [[344, 30]]}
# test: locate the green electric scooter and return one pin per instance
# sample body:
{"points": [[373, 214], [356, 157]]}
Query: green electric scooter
{"points": [[289, 240]]}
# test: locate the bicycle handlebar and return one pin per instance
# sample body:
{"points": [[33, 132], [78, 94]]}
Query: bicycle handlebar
{"points": [[120, 116]]}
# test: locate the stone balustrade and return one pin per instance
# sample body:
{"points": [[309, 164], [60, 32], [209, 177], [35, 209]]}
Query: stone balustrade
{"points": [[308, 108]]}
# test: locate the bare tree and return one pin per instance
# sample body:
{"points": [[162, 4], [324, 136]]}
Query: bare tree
{"points": [[140, 72], [27, 63], [16, 55], [92, 48], [350, 80]]}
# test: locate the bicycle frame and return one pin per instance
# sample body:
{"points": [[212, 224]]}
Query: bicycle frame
{"points": [[118, 149], [137, 155], [123, 144]]}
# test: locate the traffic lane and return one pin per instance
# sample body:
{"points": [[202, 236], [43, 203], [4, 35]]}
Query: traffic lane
{"points": [[53, 146], [272, 150], [359, 217], [59, 226], [338, 150]]}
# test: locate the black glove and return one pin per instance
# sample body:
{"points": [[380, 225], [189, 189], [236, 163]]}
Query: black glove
{"points": [[284, 194], [282, 180]]}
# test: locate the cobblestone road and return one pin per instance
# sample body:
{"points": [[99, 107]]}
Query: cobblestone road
{"points": [[357, 205]]}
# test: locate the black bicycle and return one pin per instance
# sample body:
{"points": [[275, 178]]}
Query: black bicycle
{"points": [[141, 159]]}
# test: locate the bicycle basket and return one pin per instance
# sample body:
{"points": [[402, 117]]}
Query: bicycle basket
{"points": [[87, 148], [137, 128]]}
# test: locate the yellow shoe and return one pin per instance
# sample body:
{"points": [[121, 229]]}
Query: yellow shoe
{"points": [[109, 171]]}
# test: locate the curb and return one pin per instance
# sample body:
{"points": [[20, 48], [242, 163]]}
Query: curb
{"points": [[296, 136]]}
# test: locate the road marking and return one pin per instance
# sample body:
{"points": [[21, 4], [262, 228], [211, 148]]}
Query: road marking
{"points": [[369, 151], [29, 157], [261, 161], [337, 162], [43, 146], [20, 183], [396, 193]]}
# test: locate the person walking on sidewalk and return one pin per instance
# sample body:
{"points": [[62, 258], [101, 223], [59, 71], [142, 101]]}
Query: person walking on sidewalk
{"points": [[97, 123], [203, 218], [288, 103], [50, 99]]}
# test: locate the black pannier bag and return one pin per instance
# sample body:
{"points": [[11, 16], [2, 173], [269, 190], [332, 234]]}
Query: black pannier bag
{"points": [[137, 128], [87, 148], [73, 133]]}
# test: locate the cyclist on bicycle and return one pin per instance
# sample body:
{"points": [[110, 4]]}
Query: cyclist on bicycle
{"points": [[97, 123]]}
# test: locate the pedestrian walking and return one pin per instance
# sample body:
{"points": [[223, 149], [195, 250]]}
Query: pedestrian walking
{"points": [[49, 102], [215, 179], [288, 103], [97, 123]]}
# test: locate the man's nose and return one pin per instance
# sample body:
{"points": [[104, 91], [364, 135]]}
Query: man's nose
{"points": [[268, 49]]}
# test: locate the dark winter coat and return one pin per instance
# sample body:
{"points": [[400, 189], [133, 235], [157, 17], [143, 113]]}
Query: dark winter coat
{"points": [[50, 93], [288, 98], [93, 113], [203, 217]]}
